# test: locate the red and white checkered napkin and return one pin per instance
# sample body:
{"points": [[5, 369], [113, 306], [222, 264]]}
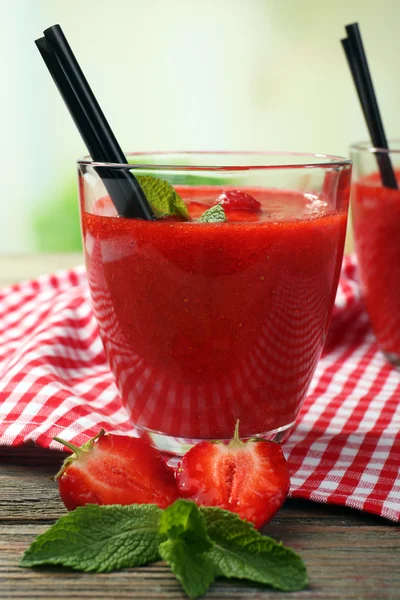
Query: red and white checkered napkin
{"points": [[54, 380]]}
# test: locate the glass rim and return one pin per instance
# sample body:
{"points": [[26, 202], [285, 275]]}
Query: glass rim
{"points": [[367, 146], [325, 161]]}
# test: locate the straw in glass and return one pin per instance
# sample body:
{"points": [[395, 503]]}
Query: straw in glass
{"points": [[124, 189], [360, 72]]}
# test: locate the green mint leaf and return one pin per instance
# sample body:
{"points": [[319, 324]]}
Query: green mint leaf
{"points": [[215, 214], [241, 551], [186, 549], [99, 539], [162, 197], [183, 521], [195, 571]]}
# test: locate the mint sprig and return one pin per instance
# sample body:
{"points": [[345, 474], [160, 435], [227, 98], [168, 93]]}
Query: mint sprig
{"points": [[186, 550], [163, 199], [241, 551], [195, 571], [166, 202], [198, 544], [215, 214], [99, 539], [183, 521]]}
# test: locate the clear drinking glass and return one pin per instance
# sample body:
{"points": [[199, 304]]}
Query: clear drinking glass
{"points": [[376, 224], [207, 323]]}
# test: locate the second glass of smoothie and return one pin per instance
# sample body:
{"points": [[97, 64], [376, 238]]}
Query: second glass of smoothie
{"points": [[206, 323], [376, 224]]}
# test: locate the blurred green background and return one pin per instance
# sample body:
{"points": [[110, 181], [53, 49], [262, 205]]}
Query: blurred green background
{"points": [[55, 224], [178, 75]]}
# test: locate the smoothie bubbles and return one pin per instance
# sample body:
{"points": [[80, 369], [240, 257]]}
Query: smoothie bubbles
{"points": [[376, 209], [212, 275], [208, 321]]}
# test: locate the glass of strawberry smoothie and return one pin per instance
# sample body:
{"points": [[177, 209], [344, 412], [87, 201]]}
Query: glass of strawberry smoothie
{"points": [[376, 224], [206, 322]]}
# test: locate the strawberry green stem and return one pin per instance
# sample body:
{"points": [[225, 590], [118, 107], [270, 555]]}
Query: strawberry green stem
{"points": [[236, 437], [236, 441], [72, 447], [77, 451]]}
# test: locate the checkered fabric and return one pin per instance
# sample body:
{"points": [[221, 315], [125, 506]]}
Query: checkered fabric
{"points": [[54, 380]]}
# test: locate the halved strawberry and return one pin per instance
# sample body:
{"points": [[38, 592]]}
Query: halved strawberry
{"points": [[115, 469], [248, 478], [238, 200]]}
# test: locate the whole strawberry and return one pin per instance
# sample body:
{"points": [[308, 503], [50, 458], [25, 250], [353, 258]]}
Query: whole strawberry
{"points": [[115, 469], [248, 478]]}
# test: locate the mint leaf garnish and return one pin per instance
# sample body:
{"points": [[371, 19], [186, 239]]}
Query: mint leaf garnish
{"points": [[186, 549], [100, 539], [195, 571], [199, 544], [162, 197], [183, 521], [241, 551], [215, 214]]}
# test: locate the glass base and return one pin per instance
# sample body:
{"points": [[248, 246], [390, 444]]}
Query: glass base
{"points": [[394, 359], [179, 446]]}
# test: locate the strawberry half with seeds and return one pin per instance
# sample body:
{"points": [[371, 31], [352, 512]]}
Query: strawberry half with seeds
{"points": [[248, 478], [115, 469]]}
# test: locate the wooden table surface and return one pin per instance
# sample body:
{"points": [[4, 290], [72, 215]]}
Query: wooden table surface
{"points": [[348, 554]]}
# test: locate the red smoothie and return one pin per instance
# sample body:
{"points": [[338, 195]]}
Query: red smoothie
{"points": [[207, 323], [376, 222]]}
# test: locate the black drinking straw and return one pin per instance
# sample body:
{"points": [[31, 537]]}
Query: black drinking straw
{"points": [[124, 189], [360, 72], [73, 105]]}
